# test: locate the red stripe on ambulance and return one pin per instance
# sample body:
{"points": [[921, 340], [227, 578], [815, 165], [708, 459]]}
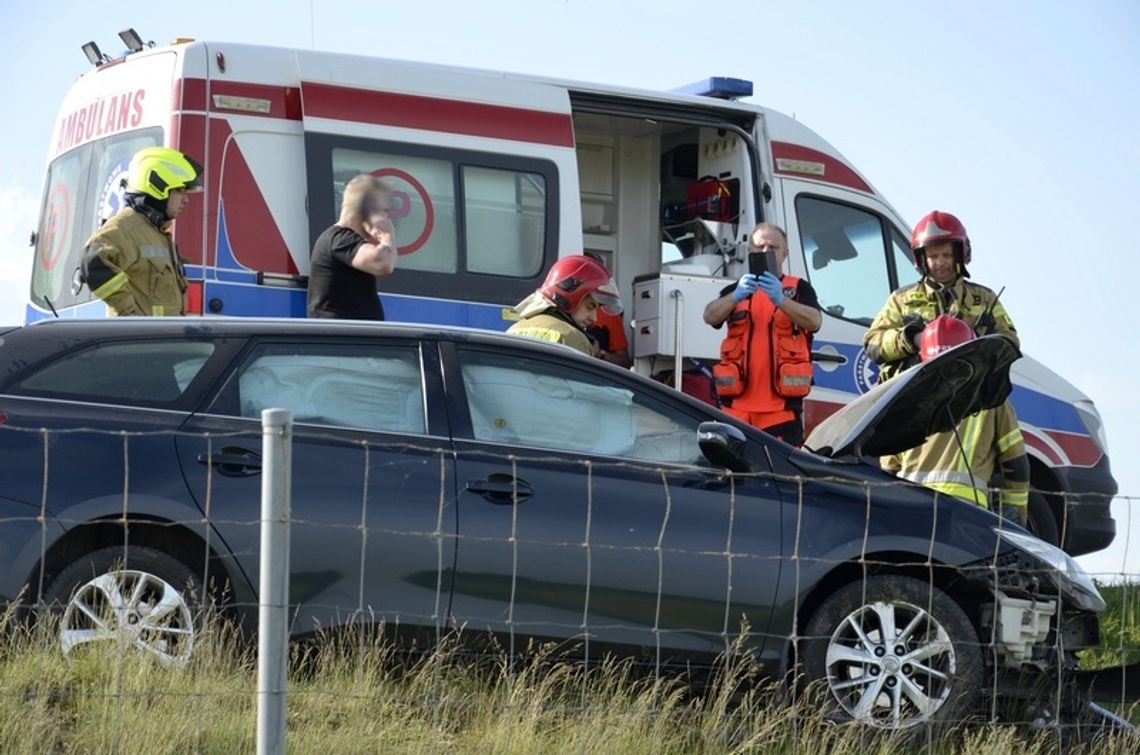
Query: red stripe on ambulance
{"points": [[1081, 449], [437, 114], [805, 162]]}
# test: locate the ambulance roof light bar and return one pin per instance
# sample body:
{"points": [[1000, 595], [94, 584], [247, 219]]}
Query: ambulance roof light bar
{"points": [[95, 55], [721, 87]]}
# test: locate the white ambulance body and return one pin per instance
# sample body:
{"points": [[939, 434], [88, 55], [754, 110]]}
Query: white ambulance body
{"points": [[496, 176]]}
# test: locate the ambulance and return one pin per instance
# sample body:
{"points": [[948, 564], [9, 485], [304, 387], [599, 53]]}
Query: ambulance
{"points": [[496, 175]]}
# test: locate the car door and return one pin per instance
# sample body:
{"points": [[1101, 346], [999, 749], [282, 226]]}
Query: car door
{"points": [[370, 530], [588, 514]]}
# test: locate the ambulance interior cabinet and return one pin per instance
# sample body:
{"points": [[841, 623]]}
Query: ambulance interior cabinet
{"points": [[659, 300]]}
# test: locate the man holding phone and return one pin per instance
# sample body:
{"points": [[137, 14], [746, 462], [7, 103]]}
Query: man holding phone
{"points": [[765, 359], [350, 255]]}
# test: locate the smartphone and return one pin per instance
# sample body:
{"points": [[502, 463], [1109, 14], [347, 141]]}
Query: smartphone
{"points": [[762, 262]]}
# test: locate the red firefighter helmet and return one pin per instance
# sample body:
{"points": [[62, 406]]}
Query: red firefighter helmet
{"points": [[572, 279], [939, 226], [942, 333]]}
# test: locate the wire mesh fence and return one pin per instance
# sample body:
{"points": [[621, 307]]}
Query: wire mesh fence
{"points": [[433, 584]]}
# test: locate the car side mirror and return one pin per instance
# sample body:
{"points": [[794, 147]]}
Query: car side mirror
{"points": [[723, 445]]}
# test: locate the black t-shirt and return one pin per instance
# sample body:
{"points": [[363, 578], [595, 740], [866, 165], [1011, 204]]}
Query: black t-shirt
{"points": [[336, 288]]}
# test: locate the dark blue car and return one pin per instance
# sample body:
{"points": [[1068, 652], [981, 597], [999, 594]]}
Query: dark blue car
{"points": [[452, 478]]}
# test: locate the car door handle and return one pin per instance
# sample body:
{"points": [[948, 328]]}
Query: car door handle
{"points": [[501, 488], [823, 356], [233, 461]]}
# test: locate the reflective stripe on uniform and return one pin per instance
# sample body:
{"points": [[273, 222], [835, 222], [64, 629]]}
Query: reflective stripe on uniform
{"points": [[117, 281], [1009, 440], [1019, 498], [959, 484], [545, 334], [154, 251]]}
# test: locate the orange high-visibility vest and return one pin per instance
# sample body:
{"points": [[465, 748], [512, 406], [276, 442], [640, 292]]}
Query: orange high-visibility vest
{"points": [[765, 358]]}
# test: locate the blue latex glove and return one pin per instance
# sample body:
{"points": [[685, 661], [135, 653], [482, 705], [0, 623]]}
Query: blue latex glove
{"points": [[745, 287], [771, 286]]}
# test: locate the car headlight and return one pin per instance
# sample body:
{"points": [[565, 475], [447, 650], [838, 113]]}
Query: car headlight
{"points": [[1073, 581]]}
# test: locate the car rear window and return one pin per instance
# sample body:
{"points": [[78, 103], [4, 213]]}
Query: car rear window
{"points": [[146, 372]]}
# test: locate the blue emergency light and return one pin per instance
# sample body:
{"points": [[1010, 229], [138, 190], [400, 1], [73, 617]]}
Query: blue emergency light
{"points": [[721, 87]]}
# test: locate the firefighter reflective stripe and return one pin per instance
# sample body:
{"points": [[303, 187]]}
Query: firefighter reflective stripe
{"points": [[154, 252], [1009, 440], [158, 310], [117, 281], [1019, 498], [956, 483], [554, 328], [959, 481]]}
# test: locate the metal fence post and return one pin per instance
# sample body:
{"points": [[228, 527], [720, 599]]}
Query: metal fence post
{"points": [[273, 605]]}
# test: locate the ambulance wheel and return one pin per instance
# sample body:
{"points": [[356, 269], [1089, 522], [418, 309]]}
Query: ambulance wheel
{"points": [[1042, 523]]}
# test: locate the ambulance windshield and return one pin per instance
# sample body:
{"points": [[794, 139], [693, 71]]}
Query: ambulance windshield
{"points": [[84, 187]]}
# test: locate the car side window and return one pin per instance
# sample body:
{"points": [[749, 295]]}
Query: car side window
{"points": [[151, 372], [360, 386], [544, 404]]}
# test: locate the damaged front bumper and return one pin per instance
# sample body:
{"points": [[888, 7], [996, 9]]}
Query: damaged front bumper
{"points": [[1044, 607]]}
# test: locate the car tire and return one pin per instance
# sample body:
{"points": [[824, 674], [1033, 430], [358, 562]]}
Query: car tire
{"points": [[146, 602], [931, 676], [1042, 523]]}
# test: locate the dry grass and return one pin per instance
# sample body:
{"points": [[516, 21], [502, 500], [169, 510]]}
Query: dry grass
{"points": [[350, 693]]}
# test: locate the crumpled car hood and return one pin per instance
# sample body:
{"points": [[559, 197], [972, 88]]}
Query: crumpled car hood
{"points": [[929, 398]]}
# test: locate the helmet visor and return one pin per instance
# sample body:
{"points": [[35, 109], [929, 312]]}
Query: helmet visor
{"points": [[195, 183], [608, 297]]}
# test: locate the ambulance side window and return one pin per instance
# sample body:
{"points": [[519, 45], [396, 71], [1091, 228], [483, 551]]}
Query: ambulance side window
{"points": [[475, 226], [505, 217], [852, 255]]}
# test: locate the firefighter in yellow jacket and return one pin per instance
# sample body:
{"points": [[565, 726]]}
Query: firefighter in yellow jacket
{"points": [[131, 262], [567, 303], [962, 462], [941, 252], [765, 359]]}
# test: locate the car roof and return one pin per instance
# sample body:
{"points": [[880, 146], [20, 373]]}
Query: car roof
{"points": [[262, 326], [47, 337]]}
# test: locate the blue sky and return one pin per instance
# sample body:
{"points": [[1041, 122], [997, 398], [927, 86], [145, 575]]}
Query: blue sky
{"points": [[1020, 117]]}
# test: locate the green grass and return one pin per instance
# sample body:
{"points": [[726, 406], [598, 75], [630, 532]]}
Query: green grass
{"points": [[353, 695], [1119, 628]]}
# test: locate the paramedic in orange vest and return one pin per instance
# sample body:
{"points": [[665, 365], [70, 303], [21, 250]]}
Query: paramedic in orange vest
{"points": [[765, 362]]}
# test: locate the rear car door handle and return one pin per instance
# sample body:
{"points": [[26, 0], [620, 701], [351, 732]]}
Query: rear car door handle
{"points": [[501, 488], [233, 461]]}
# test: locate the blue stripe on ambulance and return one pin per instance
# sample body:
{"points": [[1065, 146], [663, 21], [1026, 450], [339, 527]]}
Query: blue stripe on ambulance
{"points": [[857, 375]]}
